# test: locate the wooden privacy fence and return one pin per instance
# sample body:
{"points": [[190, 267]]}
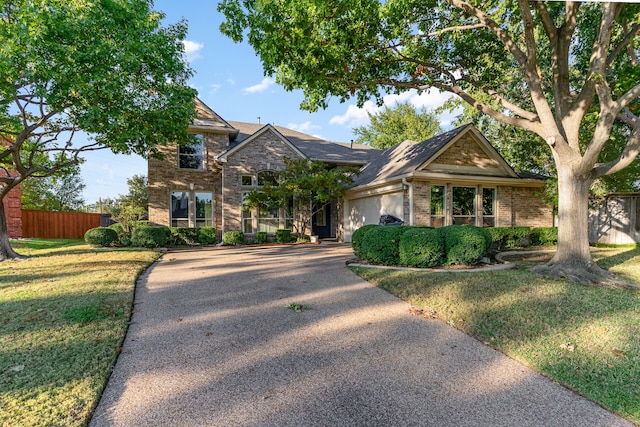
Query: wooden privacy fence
{"points": [[58, 225]]}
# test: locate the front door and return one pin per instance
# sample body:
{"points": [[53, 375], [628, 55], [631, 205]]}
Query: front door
{"points": [[321, 222]]}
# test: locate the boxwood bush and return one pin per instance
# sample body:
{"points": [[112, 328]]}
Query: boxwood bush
{"points": [[422, 247], [544, 236], [356, 238], [184, 236], [466, 244], [207, 235], [150, 237], [509, 237], [261, 237], [381, 245], [283, 235], [234, 238], [101, 236]]}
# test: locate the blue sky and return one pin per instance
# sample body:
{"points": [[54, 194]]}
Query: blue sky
{"points": [[229, 79]]}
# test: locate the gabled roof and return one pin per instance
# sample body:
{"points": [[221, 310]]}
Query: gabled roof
{"points": [[208, 120], [409, 156], [308, 146]]}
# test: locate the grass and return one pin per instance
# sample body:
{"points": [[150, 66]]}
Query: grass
{"points": [[583, 337], [63, 316]]}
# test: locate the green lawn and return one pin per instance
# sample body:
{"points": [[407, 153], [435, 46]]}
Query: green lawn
{"points": [[584, 337], [63, 315]]}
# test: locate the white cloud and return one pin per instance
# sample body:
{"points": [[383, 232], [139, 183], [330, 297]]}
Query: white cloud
{"points": [[306, 127], [214, 88], [260, 87], [231, 81], [431, 99], [355, 116], [192, 50]]}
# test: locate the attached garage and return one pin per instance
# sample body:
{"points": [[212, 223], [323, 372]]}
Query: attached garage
{"points": [[369, 206]]}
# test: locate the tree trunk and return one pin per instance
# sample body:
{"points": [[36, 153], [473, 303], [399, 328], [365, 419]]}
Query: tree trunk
{"points": [[573, 257], [6, 252]]}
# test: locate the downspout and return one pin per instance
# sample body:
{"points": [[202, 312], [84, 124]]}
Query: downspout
{"points": [[407, 184]]}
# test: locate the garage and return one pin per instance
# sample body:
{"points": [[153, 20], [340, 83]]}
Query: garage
{"points": [[367, 210]]}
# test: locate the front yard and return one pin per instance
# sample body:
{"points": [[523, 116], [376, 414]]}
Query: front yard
{"points": [[63, 315], [583, 337]]}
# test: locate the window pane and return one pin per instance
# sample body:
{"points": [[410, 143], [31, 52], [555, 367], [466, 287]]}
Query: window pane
{"points": [[488, 201], [270, 177], [464, 201], [437, 200], [204, 210], [246, 180], [191, 156], [179, 209], [247, 216]]}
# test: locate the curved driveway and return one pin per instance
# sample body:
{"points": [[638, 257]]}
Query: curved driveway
{"points": [[212, 343]]}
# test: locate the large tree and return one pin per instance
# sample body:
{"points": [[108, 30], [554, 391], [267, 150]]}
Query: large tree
{"points": [[391, 126], [540, 66], [57, 192], [106, 67]]}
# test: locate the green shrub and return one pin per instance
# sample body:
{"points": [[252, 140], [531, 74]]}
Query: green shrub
{"points": [[381, 245], [422, 247], [207, 235], [150, 237], [261, 237], [283, 235], [101, 236], [184, 236], [544, 236], [466, 244], [234, 238], [509, 237], [357, 236]]}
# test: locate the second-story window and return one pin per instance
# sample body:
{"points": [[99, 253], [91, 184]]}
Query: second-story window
{"points": [[192, 156]]}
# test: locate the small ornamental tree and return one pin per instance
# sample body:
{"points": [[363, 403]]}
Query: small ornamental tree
{"points": [[107, 68], [309, 184]]}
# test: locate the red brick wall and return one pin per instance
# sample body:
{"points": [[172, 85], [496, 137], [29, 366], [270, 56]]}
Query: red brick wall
{"points": [[13, 212]]}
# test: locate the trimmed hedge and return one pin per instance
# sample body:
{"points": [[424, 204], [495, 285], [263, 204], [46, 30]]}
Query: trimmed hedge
{"points": [[261, 237], [150, 237], [101, 236], [509, 237], [466, 244], [544, 236], [381, 245], [234, 238], [184, 236], [358, 235], [283, 235], [207, 235], [422, 247]]}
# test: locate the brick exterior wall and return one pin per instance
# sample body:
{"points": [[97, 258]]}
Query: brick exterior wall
{"points": [[164, 177], [515, 206], [466, 152], [13, 213], [266, 152]]}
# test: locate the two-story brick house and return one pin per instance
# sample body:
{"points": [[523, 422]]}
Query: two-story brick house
{"points": [[453, 178]]}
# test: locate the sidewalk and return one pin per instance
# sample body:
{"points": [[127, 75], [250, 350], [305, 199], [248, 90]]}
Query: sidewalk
{"points": [[212, 343]]}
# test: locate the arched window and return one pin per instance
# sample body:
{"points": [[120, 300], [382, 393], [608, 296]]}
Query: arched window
{"points": [[265, 177]]}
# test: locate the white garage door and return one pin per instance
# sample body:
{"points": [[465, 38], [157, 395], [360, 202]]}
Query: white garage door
{"points": [[368, 211]]}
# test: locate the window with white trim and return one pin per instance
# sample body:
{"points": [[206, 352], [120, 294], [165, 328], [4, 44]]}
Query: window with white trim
{"points": [[247, 215], [192, 156], [437, 205], [204, 209], [488, 207], [464, 205], [180, 209]]}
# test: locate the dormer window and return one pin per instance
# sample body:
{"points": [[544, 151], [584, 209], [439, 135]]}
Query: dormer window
{"points": [[192, 156]]}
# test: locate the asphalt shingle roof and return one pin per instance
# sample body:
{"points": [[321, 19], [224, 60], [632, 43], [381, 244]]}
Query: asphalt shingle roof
{"points": [[405, 157], [313, 147]]}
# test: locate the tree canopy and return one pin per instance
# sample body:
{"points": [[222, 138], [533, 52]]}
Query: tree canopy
{"points": [[107, 68], [545, 67], [391, 126], [58, 192]]}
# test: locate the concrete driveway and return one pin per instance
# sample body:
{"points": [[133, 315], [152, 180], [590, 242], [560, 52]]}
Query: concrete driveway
{"points": [[212, 343]]}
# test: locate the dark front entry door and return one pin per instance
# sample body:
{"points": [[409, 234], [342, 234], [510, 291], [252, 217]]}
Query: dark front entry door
{"points": [[321, 222]]}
